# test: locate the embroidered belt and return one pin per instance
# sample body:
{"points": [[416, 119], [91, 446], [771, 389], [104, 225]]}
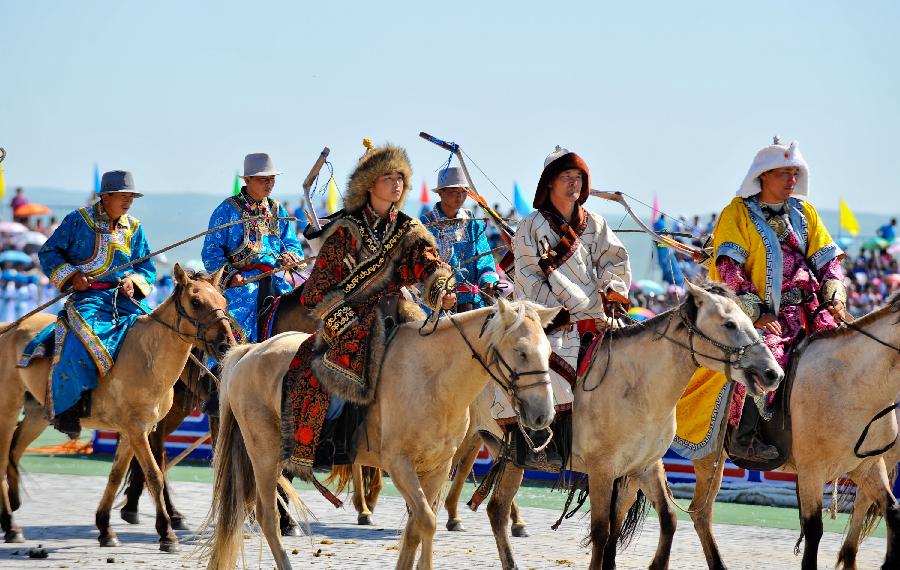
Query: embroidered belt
{"points": [[259, 266], [103, 285]]}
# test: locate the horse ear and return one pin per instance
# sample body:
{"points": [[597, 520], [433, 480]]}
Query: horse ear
{"points": [[547, 314], [504, 311], [217, 278], [180, 276], [697, 293]]}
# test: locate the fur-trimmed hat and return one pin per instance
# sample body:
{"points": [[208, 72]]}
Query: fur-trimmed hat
{"points": [[772, 157], [377, 161], [558, 161]]}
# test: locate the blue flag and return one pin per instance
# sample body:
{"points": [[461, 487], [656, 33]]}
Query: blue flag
{"points": [[522, 207], [96, 179]]}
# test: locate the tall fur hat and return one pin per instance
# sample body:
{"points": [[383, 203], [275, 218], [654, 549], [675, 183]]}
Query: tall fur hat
{"points": [[377, 161], [556, 162]]}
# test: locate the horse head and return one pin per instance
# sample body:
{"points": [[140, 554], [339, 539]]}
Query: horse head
{"points": [[520, 351], [723, 338], [199, 302]]}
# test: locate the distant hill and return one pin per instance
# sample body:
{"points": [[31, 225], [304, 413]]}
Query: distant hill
{"points": [[169, 218]]}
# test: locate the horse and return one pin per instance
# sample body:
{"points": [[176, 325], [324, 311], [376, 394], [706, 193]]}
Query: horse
{"points": [[843, 379], [423, 385], [130, 399], [623, 414]]}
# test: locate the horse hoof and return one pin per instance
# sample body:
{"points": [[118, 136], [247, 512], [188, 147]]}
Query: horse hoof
{"points": [[290, 530], [109, 541], [365, 520], [131, 517], [169, 546], [455, 526], [14, 536], [179, 524], [520, 531]]}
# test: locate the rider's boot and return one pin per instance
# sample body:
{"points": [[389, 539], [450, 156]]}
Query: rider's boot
{"points": [[746, 442]]}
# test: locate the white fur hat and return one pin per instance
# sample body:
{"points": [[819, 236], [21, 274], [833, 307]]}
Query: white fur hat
{"points": [[772, 157]]}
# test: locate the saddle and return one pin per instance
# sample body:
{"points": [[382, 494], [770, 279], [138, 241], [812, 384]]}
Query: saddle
{"points": [[777, 431]]}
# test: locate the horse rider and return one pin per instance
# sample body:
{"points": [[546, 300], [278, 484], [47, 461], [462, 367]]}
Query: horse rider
{"points": [[461, 242], [567, 256], [252, 248], [774, 250], [370, 250], [91, 327]]}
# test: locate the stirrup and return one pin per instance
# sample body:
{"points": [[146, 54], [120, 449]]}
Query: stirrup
{"points": [[757, 451]]}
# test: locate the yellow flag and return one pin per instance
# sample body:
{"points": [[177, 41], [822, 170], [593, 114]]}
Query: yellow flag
{"points": [[848, 220], [331, 204], [2, 184]]}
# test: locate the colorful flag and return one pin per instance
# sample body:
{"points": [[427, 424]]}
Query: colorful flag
{"points": [[331, 205], [654, 215], [96, 178], [424, 198], [237, 184], [847, 219], [522, 207]]}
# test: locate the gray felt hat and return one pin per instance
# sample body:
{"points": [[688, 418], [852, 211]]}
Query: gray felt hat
{"points": [[451, 177], [259, 164], [117, 181]]}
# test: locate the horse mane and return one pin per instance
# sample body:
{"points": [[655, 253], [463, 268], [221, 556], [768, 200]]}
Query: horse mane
{"points": [[892, 305], [688, 306], [495, 330]]}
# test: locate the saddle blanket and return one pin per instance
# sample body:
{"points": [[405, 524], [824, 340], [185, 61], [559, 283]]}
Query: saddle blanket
{"points": [[41, 346]]}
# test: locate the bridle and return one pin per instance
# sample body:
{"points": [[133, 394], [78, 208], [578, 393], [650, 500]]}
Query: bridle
{"points": [[507, 378], [202, 325], [732, 356]]}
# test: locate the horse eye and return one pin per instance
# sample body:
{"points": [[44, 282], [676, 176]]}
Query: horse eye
{"points": [[522, 355], [195, 303], [731, 325]]}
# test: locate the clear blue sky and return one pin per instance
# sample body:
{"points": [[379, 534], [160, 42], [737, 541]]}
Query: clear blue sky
{"points": [[665, 97]]}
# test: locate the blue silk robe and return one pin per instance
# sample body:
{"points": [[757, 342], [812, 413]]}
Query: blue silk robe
{"points": [[460, 241], [249, 249], [91, 327]]}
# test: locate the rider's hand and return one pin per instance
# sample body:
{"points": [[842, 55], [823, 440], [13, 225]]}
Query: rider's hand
{"points": [[768, 323], [81, 282], [237, 280], [290, 258], [128, 286], [448, 301], [836, 308]]}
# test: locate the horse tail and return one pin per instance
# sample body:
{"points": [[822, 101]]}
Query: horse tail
{"points": [[234, 484], [341, 476], [874, 514], [634, 518], [372, 482]]}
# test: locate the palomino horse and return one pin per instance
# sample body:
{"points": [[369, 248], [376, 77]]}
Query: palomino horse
{"points": [[425, 385], [624, 414], [133, 396], [843, 379]]}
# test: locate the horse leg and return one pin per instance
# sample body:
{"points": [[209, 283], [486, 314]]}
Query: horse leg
{"points": [[11, 533], [653, 483], [625, 494], [32, 425], [601, 490], [519, 526], [120, 462], [467, 454], [267, 473], [168, 541], [877, 484], [363, 514], [709, 480], [286, 523], [422, 522], [374, 486], [850, 548], [809, 490], [498, 511]]}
